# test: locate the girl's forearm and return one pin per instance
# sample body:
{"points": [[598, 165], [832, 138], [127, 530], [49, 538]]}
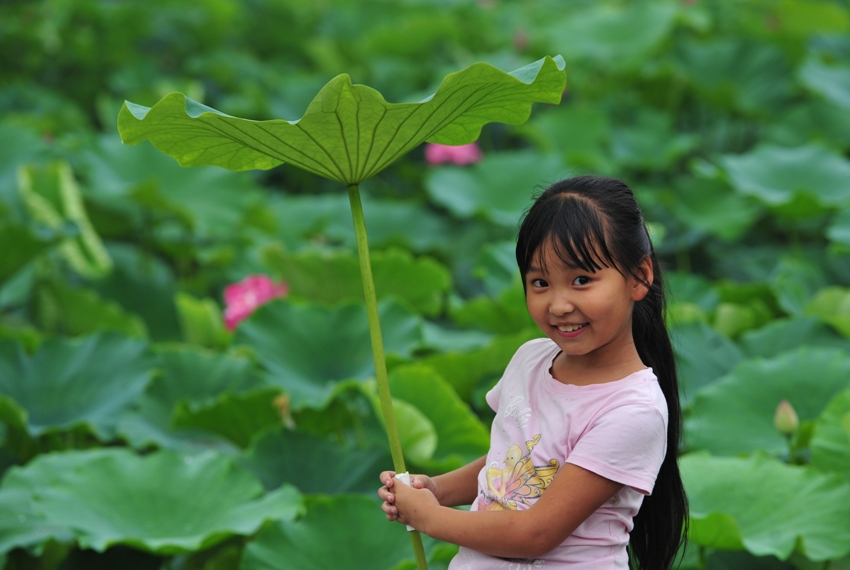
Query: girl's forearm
{"points": [[459, 487], [512, 534]]}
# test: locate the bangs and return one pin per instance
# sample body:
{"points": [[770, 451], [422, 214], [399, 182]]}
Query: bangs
{"points": [[573, 229]]}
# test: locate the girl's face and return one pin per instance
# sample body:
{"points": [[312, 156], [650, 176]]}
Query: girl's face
{"points": [[587, 314]]}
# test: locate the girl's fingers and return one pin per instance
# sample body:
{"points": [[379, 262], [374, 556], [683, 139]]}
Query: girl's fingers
{"points": [[390, 511], [387, 478]]}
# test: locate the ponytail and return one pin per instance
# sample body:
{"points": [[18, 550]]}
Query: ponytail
{"points": [[661, 524]]}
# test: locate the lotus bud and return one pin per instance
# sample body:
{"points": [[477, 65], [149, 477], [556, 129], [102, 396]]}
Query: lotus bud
{"points": [[785, 420], [283, 405]]}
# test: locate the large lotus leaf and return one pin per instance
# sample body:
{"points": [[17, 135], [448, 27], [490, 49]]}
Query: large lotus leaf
{"points": [[807, 17], [212, 202], [737, 560], [580, 132], [122, 557], [702, 356], [22, 526], [443, 339], [163, 502], [839, 230], [618, 35], [498, 188], [810, 120], [832, 306], [144, 285], [201, 321], [74, 312], [713, 207], [149, 425], [346, 532], [464, 370], [650, 142], [408, 224], [279, 456], [782, 176], [307, 349], [417, 434], [735, 414], [736, 73], [69, 383], [53, 199], [334, 276], [795, 281], [28, 245], [782, 335], [830, 443], [691, 288], [461, 437], [349, 132], [830, 81], [17, 145], [496, 266], [503, 314], [327, 218], [237, 417], [198, 376], [766, 507], [189, 377]]}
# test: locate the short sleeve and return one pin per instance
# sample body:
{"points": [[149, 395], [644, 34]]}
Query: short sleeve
{"points": [[493, 395], [626, 444], [518, 361]]}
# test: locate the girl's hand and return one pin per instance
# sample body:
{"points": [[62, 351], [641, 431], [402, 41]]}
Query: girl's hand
{"points": [[388, 495], [413, 505]]}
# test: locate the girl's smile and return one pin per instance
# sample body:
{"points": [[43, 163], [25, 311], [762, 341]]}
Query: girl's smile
{"points": [[587, 314]]}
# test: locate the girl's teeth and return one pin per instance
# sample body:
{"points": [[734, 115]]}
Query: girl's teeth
{"points": [[569, 328]]}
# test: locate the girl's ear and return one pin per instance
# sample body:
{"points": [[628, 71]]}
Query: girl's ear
{"points": [[640, 287]]}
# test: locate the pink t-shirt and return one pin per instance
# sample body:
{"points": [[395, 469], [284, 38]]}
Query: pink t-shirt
{"points": [[617, 430]]}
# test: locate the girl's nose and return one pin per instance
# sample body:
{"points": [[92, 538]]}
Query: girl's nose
{"points": [[561, 305]]}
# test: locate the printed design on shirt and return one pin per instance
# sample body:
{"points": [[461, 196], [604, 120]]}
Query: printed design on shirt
{"points": [[519, 482]]}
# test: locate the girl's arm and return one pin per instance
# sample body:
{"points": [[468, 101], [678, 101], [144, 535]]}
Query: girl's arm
{"points": [[570, 499], [458, 487]]}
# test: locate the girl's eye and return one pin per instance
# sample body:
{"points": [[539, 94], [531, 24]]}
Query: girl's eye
{"points": [[539, 283], [581, 280]]}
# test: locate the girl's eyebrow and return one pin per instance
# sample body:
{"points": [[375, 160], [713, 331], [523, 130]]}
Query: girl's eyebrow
{"points": [[533, 269]]}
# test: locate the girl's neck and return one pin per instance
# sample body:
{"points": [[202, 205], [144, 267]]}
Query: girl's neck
{"points": [[580, 371]]}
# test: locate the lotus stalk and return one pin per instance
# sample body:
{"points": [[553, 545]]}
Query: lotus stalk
{"points": [[348, 134]]}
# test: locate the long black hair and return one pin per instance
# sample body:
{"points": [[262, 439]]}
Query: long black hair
{"points": [[593, 222]]}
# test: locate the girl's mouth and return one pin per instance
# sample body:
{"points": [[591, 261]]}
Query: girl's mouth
{"points": [[570, 328]]}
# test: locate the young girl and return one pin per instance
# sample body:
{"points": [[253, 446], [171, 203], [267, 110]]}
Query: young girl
{"points": [[582, 459]]}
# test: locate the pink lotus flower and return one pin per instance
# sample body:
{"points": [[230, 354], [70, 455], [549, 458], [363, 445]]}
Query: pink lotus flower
{"points": [[241, 299], [463, 154]]}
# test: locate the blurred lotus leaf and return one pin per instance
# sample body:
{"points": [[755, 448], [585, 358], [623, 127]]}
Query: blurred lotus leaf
{"points": [[735, 414], [767, 507], [163, 502]]}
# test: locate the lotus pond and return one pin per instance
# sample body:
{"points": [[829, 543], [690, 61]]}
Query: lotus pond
{"points": [[186, 377]]}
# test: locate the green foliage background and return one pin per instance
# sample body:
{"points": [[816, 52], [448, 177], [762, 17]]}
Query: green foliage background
{"points": [[138, 433]]}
